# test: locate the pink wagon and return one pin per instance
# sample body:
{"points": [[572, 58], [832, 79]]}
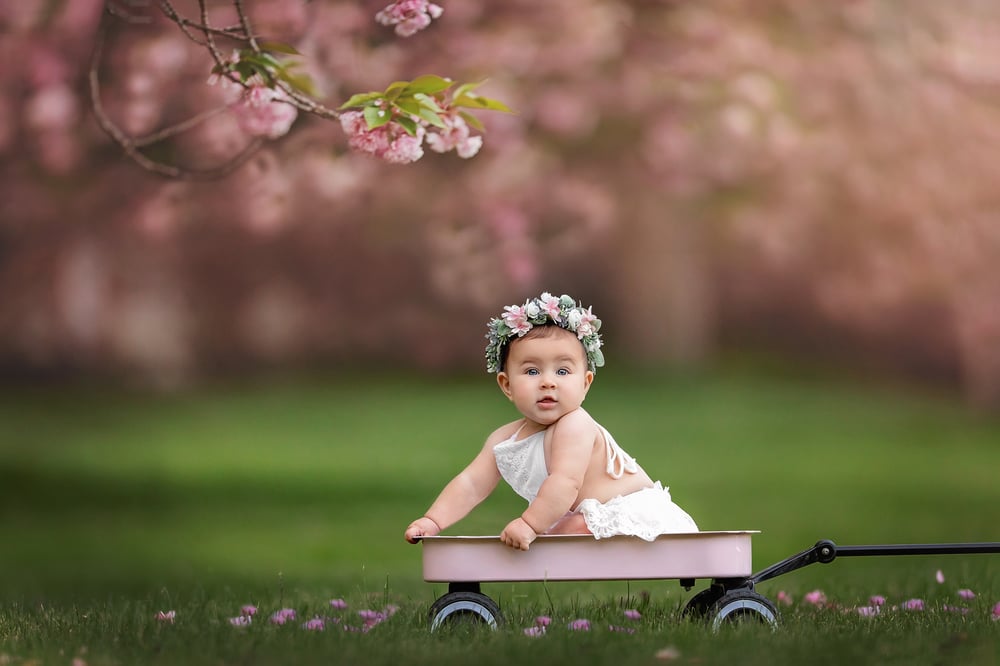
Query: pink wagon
{"points": [[464, 562]]}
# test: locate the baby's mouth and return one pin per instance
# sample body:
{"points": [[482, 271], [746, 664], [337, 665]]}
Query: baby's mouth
{"points": [[548, 400]]}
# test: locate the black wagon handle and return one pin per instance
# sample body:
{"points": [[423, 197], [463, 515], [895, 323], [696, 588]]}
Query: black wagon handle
{"points": [[826, 551]]}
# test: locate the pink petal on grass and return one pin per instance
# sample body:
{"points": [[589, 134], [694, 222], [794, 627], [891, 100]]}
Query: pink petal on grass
{"points": [[816, 598], [543, 620], [339, 604], [784, 598], [315, 624], [962, 610], [249, 610], [632, 614], [579, 625], [166, 616], [996, 611], [939, 576], [535, 632], [966, 594], [876, 600], [868, 611], [913, 604], [621, 630], [240, 621], [282, 616]]}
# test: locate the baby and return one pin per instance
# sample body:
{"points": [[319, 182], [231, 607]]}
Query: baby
{"points": [[575, 477]]}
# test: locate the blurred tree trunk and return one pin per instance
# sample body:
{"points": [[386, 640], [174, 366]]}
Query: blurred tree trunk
{"points": [[667, 312]]}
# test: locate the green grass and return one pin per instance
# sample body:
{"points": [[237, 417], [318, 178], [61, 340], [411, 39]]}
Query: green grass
{"points": [[115, 505]]}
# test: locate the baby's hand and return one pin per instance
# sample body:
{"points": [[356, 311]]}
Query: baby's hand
{"points": [[518, 534], [421, 527]]}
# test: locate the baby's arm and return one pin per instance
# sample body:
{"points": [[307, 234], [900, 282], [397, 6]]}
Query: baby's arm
{"points": [[569, 456], [472, 485]]}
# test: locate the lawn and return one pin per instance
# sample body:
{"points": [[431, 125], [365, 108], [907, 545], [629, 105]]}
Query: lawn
{"points": [[116, 505]]}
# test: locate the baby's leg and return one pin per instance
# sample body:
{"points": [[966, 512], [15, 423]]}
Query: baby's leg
{"points": [[571, 523]]}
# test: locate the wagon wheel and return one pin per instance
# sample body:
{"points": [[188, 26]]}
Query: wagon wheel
{"points": [[742, 606], [698, 605], [470, 607]]}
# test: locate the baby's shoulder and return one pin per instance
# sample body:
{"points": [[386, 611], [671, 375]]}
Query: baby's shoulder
{"points": [[575, 424]]}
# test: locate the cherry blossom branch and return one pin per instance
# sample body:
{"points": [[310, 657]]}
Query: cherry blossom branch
{"points": [[265, 95]]}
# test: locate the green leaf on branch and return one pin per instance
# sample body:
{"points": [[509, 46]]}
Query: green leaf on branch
{"points": [[429, 102], [472, 121], [376, 117], [362, 99], [408, 124], [428, 84], [432, 118], [301, 82], [279, 47], [473, 101]]}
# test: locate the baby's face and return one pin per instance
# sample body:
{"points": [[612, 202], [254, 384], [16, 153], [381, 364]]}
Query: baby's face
{"points": [[546, 376]]}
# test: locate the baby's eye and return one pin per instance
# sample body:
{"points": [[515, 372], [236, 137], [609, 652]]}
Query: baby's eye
{"points": [[562, 371], [532, 371]]}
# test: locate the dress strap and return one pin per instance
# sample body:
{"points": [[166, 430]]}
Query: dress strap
{"points": [[619, 462]]}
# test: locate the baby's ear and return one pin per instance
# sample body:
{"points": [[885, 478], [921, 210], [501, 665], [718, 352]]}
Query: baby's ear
{"points": [[503, 381], [588, 379]]}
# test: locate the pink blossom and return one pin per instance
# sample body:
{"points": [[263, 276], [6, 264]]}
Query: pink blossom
{"points": [[966, 593], [315, 624], [939, 576], [264, 111], [240, 621], [579, 625], [535, 631], [784, 598], [816, 598], [409, 16], [516, 318], [371, 615], [543, 620], [633, 614], [996, 611], [339, 604], [282, 616], [876, 600], [249, 610], [455, 136], [913, 604], [389, 142], [168, 616]]}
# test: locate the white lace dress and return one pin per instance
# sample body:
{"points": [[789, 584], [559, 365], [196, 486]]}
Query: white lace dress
{"points": [[646, 513]]}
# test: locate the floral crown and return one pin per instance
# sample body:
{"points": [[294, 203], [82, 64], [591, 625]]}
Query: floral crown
{"points": [[561, 311]]}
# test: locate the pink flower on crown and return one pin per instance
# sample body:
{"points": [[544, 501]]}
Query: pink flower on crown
{"points": [[550, 306], [409, 16], [587, 324], [516, 317]]}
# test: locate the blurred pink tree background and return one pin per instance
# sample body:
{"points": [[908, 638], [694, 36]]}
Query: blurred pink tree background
{"points": [[814, 180]]}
